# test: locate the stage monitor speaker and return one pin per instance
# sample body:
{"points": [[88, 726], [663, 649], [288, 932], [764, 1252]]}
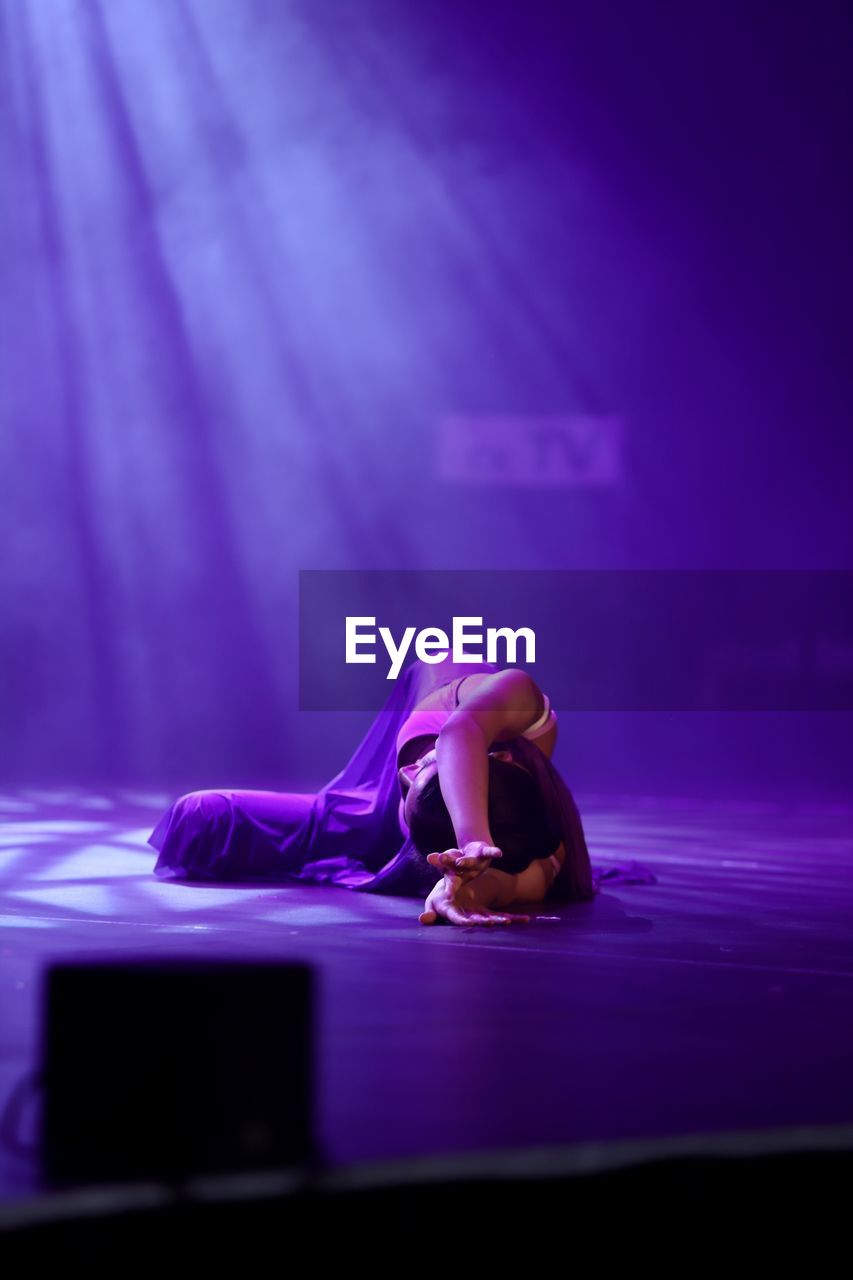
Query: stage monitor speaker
{"points": [[172, 1068]]}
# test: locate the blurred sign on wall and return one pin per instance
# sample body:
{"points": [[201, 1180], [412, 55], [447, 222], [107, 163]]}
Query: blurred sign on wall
{"points": [[569, 451]]}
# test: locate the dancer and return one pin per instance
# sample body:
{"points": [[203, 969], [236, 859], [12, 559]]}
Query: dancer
{"points": [[454, 774], [472, 804]]}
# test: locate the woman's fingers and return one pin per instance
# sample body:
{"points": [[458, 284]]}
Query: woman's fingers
{"points": [[479, 849], [448, 861], [484, 919], [442, 860], [456, 858], [455, 861], [455, 916], [478, 856]]}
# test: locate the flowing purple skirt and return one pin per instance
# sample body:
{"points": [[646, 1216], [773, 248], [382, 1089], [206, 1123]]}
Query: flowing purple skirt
{"points": [[348, 834]]}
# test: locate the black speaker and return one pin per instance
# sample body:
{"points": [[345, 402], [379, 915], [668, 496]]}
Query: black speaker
{"points": [[172, 1068]]}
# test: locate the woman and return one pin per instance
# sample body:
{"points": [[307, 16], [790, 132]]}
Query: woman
{"points": [[471, 759], [457, 759]]}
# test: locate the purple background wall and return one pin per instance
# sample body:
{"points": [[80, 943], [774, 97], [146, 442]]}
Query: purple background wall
{"points": [[254, 252]]}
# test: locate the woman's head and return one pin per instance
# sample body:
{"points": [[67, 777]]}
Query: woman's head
{"points": [[517, 820]]}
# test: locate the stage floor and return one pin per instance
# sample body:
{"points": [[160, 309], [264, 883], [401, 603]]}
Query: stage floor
{"points": [[718, 999]]}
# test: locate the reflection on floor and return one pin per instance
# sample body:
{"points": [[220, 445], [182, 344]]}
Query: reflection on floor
{"points": [[720, 998]]}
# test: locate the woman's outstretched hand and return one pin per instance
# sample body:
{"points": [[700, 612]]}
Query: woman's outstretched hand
{"points": [[470, 860], [465, 894]]}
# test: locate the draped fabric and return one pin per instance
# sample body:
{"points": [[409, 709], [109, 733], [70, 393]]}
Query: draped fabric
{"points": [[348, 833]]}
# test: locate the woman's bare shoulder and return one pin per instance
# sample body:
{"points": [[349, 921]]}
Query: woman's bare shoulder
{"points": [[474, 683], [469, 684], [478, 679]]}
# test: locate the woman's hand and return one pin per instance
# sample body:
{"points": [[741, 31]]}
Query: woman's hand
{"points": [[470, 860], [465, 897]]}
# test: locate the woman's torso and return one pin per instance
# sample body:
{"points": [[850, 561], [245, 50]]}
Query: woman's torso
{"points": [[423, 725]]}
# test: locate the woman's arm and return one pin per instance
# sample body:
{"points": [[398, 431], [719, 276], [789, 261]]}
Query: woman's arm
{"points": [[463, 770], [503, 707], [495, 888], [500, 888], [534, 881], [480, 897]]}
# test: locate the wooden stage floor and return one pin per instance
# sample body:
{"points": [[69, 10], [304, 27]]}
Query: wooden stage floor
{"points": [[718, 1000]]}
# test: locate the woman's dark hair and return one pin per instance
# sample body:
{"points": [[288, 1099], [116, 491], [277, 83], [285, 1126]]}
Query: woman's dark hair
{"points": [[517, 818]]}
